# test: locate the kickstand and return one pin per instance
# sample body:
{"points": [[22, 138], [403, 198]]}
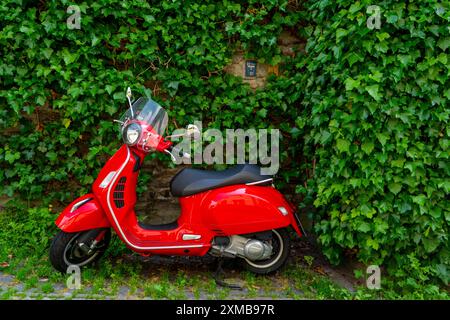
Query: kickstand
{"points": [[217, 276]]}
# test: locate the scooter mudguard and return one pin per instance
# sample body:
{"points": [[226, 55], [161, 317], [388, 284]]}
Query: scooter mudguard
{"points": [[84, 213], [242, 209]]}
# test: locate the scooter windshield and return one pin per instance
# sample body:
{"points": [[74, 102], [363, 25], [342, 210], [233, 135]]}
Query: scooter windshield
{"points": [[147, 110]]}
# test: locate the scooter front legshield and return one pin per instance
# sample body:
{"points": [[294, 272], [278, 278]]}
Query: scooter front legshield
{"points": [[85, 213]]}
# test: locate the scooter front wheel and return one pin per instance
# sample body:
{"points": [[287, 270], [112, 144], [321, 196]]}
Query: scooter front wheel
{"points": [[281, 245], [78, 248]]}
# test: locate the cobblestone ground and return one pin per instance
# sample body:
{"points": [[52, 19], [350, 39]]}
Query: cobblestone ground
{"points": [[13, 289], [276, 286]]}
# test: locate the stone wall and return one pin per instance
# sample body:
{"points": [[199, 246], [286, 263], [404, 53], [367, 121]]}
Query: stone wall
{"points": [[289, 45], [156, 205]]}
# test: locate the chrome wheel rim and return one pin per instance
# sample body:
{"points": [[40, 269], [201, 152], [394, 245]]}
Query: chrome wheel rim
{"points": [[272, 260]]}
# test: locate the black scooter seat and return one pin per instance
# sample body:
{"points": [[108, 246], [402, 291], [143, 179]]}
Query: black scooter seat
{"points": [[191, 181]]}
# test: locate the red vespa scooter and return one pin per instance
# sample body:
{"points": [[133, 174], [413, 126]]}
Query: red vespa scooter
{"points": [[231, 213]]}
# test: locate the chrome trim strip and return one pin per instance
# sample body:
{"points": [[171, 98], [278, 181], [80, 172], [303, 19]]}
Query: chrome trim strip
{"points": [[283, 211], [258, 182], [107, 180], [191, 236], [79, 204]]}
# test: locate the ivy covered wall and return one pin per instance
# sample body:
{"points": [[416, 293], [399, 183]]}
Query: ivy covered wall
{"points": [[363, 114]]}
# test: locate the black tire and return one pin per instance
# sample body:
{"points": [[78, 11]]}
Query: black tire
{"points": [[64, 252], [281, 244]]}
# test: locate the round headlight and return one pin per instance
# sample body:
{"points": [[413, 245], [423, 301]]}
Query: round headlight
{"points": [[131, 133]]}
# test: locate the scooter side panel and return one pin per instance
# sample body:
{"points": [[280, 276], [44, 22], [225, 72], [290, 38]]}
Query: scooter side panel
{"points": [[242, 209], [118, 197], [115, 184], [84, 213]]}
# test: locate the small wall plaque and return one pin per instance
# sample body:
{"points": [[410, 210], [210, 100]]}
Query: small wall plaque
{"points": [[250, 69]]}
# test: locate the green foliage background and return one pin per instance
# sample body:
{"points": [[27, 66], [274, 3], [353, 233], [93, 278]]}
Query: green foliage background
{"points": [[364, 114], [377, 108]]}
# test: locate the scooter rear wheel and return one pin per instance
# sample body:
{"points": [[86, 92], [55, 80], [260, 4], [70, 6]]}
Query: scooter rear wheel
{"points": [[65, 249], [281, 245]]}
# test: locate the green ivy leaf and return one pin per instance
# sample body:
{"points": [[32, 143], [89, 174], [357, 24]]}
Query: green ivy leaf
{"points": [[383, 138], [51, 155], [262, 113], [109, 88], [372, 243], [11, 157], [442, 272], [340, 33], [66, 122], [430, 244], [47, 52], [392, 18], [405, 59], [382, 35], [350, 84], [373, 91], [398, 163], [119, 96], [442, 58], [420, 199], [68, 57], [444, 43], [367, 147], [95, 40], [40, 100], [342, 145], [353, 58], [173, 85], [395, 187], [364, 227]]}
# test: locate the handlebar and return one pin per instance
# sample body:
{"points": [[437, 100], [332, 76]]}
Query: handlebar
{"points": [[172, 150]]}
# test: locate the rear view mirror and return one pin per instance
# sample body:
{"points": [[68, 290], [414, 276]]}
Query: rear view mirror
{"points": [[192, 130], [129, 101]]}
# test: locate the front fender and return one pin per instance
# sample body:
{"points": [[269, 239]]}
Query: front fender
{"points": [[84, 213]]}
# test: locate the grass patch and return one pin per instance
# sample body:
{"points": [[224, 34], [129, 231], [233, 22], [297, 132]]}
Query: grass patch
{"points": [[25, 236]]}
